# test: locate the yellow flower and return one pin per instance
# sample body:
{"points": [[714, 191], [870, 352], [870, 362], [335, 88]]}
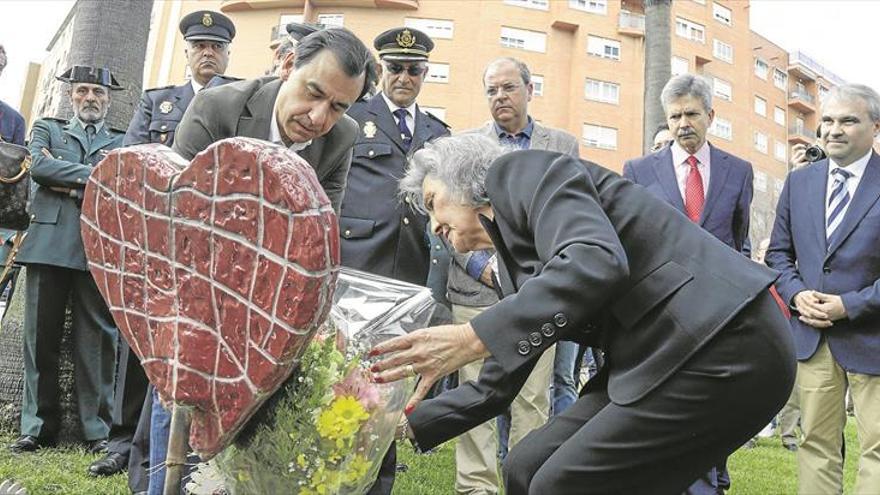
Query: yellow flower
{"points": [[356, 470], [341, 420]]}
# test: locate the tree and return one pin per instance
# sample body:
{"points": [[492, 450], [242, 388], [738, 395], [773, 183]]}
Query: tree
{"points": [[658, 66]]}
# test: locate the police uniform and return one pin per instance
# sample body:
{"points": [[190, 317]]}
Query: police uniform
{"points": [[381, 234], [155, 121], [57, 269]]}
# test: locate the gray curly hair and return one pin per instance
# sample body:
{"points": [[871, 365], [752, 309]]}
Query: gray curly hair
{"points": [[459, 162], [2, 58]]}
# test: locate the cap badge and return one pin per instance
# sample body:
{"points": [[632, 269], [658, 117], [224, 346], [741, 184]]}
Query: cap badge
{"points": [[370, 129], [406, 39], [207, 20], [166, 107]]}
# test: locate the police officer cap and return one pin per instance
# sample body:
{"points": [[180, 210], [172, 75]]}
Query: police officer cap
{"points": [[403, 44], [89, 75], [207, 25], [299, 30]]}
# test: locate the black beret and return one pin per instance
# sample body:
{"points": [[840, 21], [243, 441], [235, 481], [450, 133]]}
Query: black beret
{"points": [[403, 44], [207, 25]]}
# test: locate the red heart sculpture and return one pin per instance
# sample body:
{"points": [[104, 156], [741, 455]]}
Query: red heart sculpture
{"points": [[217, 272]]}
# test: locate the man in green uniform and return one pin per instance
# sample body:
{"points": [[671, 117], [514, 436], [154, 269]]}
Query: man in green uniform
{"points": [[63, 154]]}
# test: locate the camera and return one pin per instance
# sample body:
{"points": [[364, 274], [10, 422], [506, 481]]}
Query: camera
{"points": [[814, 153]]}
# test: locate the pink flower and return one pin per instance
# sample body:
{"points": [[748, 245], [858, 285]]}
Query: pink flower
{"points": [[357, 384]]}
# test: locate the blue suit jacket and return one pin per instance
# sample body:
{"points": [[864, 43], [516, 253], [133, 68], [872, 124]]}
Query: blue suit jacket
{"points": [[850, 267], [726, 210]]}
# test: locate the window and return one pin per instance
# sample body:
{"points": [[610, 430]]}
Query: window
{"points": [[690, 30], [722, 89], [701, 2], [721, 128], [529, 4], [780, 79], [800, 127], [435, 28], [537, 85], [722, 14], [779, 150], [337, 20], [679, 66], [761, 142], [760, 106], [779, 116], [592, 6], [760, 181], [596, 136], [438, 112], [607, 92], [603, 47], [722, 51], [522, 39], [437, 73], [761, 69]]}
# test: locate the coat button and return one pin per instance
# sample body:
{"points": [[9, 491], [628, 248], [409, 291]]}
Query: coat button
{"points": [[434, 260], [405, 221], [437, 247], [371, 153], [33, 216], [163, 127], [347, 233], [523, 348], [406, 199], [547, 330], [535, 339], [560, 320]]}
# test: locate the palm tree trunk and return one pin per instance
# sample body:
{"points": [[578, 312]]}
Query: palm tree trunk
{"points": [[658, 65]]}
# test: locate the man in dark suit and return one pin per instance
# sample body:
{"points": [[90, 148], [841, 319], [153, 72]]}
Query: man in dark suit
{"points": [[332, 69], [824, 242], [11, 131], [699, 356], [379, 233], [207, 35], [680, 173], [63, 154]]}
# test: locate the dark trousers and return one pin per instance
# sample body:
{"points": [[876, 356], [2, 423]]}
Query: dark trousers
{"points": [[94, 351], [130, 431], [385, 481], [660, 444]]}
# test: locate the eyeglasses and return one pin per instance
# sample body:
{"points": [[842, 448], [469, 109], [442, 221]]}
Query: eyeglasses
{"points": [[506, 88], [414, 70]]}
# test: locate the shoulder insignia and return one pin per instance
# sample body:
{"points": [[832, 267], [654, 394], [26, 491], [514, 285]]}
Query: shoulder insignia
{"points": [[369, 129], [166, 106]]}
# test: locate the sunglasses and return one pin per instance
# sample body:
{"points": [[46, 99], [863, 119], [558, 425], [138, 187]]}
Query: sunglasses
{"points": [[414, 70]]}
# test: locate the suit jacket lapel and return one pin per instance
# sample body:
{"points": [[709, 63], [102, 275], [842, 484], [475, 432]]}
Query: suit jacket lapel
{"points": [[185, 97], [540, 138], [260, 109], [422, 132], [815, 197], [102, 139], [665, 171], [74, 131], [864, 198], [719, 170], [385, 121], [504, 258]]}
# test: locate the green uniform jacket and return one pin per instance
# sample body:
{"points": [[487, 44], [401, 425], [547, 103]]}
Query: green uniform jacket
{"points": [[53, 236]]}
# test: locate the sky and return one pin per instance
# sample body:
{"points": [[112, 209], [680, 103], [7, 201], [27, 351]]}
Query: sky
{"points": [[839, 34]]}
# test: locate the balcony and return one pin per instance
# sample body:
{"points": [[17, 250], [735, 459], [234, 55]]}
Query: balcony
{"points": [[801, 101], [807, 68], [797, 134], [630, 24]]}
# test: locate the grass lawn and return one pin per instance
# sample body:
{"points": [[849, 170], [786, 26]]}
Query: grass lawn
{"points": [[767, 469]]}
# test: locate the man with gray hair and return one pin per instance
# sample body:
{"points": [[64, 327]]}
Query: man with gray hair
{"points": [[824, 242], [710, 186], [471, 289]]}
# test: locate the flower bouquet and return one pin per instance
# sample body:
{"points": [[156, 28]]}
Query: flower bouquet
{"points": [[328, 427]]}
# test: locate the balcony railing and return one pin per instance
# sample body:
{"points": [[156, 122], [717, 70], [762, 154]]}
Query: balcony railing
{"points": [[802, 132], [801, 94], [800, 58], [628, 20]]}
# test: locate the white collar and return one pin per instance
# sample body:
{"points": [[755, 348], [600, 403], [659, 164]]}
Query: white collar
{"points": [[275, 133], [857, 168], [195, 86], [392, 106], [679, 154]]}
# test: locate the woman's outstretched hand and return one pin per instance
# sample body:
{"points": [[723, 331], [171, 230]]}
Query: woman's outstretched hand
{"points": [[431, 352]]}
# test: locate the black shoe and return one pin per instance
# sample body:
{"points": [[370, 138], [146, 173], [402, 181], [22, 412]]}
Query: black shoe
{"points": [[110, 464], [28, 443], [97, 446]]}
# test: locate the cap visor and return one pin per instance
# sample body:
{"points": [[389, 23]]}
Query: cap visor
{"points": [[405, 58], [206, 37]]}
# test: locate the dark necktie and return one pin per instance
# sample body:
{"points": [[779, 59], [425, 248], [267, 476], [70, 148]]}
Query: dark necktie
{"points": [[693, 191], [837, 202], [90, 133], [405, 134]]}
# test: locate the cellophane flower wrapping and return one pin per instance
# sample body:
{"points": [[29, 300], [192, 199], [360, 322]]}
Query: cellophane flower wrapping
{"points": [[328, 427]]}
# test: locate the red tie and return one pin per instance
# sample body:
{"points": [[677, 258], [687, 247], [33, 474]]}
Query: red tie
{"points": [[693, 191]]}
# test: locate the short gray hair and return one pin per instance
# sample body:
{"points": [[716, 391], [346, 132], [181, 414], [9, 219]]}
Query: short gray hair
{"points": [[687, 85], [521, 66], [857, 91], [2, 58], [460, 162]]}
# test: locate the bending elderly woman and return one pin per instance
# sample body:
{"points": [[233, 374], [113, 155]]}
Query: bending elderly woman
{"points": [[698, 354]]}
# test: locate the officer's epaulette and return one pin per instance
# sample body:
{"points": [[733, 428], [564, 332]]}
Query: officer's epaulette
{"points": [[57, 119], [434, 117], [160, 87], [118, 131]]}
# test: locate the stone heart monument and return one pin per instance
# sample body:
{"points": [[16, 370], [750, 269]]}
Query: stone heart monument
{"points": [[217, 272]]}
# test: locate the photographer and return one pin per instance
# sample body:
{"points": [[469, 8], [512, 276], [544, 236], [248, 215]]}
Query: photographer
{"points": [[802, 154]]}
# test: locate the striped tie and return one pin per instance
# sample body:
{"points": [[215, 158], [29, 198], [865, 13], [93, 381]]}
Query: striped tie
{"points": [[837, 202]]}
